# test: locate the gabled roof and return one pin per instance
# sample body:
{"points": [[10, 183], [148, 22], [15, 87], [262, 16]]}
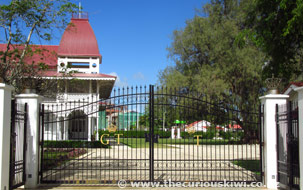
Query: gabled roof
{"points": [[41, 54], [48, 54], [79, 40], [202, 123]]}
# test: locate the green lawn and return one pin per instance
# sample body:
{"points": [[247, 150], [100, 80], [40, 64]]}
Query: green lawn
{"points": [[140, 143], [252, 165], [52, 159], [54, 155], [194, 141], [167, 142]]}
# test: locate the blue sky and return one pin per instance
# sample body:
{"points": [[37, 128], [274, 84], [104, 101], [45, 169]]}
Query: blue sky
{"points": [[133, 35]]}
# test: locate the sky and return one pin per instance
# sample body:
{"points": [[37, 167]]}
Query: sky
{"points": [[133, 35]]}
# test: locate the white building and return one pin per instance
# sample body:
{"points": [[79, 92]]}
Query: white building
{"points": [[293, 95], [76, 62], [199, 125]]}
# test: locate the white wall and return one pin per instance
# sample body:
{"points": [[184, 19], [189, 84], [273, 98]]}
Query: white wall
{"points": [[89, 60], [32, 152], [270, 138], [5, 127], [300, 104]]}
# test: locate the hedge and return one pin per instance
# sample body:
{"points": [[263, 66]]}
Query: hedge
{"points": [[238, 135], [209, 134], [74, 144], [136, 134]]}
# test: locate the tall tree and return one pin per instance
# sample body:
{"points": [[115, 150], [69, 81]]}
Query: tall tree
{"points": [[210, 58], [19, 21], [276, 27]]}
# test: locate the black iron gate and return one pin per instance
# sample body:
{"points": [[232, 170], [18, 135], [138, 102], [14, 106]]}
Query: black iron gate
{"points": [[149, 134], [288, 145], [18, 145]]}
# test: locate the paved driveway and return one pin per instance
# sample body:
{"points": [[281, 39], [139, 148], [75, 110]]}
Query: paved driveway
{"points": [[175, 163]]}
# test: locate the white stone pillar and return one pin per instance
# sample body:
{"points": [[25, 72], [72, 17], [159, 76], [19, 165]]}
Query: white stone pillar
{"points": [[178, 133], [32, 152], [58, 129], [61, 128], [5, 131], [173, 133], [65, 128], [97, 123], [98, 113], [270, 138], [89, 128], [66, 91], [300, 109]]}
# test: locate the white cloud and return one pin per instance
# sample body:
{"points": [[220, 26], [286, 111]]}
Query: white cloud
{"points": [[119, 82], [138, 76]]}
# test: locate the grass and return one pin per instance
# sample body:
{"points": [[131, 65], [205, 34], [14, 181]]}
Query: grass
{"points": [[167, 142], [54, 155], [52, 159], [140, 143], [252, 165], [194, 141]]}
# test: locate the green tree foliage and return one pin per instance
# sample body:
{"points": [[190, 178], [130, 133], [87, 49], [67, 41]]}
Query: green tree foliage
{"points": [[19, 21], [209, 58], [276, 27]]}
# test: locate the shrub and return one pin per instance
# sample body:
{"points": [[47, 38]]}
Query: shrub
{"points": [[231, 135], [163, 134], [53, 159], [209, 134]]}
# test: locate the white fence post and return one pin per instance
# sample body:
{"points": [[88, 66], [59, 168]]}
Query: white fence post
{"points": [[5, 133], [32, 152], [270, 137], [300, 113]]}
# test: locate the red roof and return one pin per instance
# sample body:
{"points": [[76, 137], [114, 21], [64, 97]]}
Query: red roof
{"points": [[79, 40], [84, 75], [41, 54], [297, 84], [234, 126], [196, 124], [219, 127], [193, 124]]}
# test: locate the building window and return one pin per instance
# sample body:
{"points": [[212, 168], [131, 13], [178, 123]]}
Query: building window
{"points": [[78, 65], [62, 64]]}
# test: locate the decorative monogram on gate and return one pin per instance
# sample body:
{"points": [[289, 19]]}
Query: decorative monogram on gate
{"points": [[107, 141], [112, 128]]}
